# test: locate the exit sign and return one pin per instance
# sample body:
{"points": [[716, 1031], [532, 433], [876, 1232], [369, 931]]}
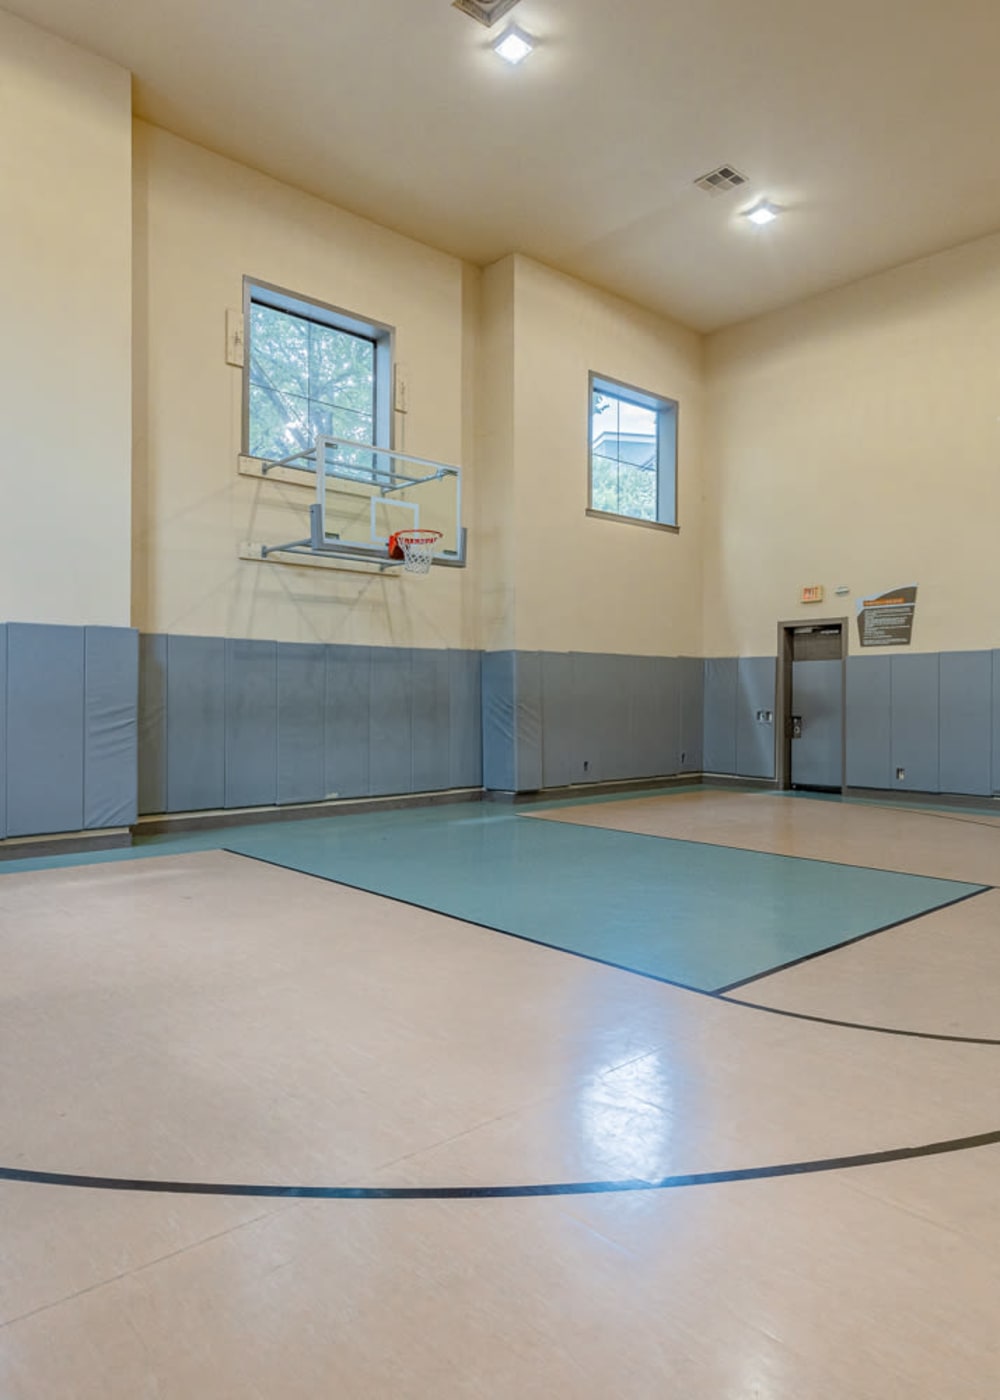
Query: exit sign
{"points": [[812, 594]]}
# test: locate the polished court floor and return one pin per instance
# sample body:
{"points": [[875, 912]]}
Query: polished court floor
{"points": [[267, 1134]]}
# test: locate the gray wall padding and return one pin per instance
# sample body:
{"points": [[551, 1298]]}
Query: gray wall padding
{"points": [[562, 720], [346, 731], [691, 715], [196, 723], [430, 697], [465, 731], [721, 673], [996, 721], [869, 721], [755, 689], [110, 759], [916, 722], [966, 721], [390, 721], [45, 728], [528, 727], [251, 720], [152, 723], [301, 687], [499, 720], [3, 730]]}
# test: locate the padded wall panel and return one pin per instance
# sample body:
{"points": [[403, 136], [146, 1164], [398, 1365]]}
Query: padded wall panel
{"points": [[721, 674], [465, 705], [346, 727], [666, 752], [301, 689], [966, 722], [45, 728], [528, 731], [251, 723], [563, 717], [915, 722], [869, 721], [390, 724], [646, 715], [196, 723], [152, 723], [430, 702], [996, 721], [499, 721], [755, 690], [111, 723], [3, 730], [601, 699], [691, 713]]}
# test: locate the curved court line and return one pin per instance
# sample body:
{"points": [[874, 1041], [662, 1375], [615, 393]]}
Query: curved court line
{"points": [[859, 1025], [472, 1193], [720, 994]]}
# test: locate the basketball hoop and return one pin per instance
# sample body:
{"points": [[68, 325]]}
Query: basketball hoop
{"points": [[415, 548]]}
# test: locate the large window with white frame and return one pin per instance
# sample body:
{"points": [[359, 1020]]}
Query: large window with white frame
{"points": [[633, 453], [311, 370]]}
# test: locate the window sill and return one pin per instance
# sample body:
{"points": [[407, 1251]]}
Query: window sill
{"points": [[633, 520]]}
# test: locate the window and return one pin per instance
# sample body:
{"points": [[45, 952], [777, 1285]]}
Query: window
{"points": [[633, 453], [311, 370]]}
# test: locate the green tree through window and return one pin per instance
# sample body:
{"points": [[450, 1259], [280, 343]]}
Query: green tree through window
{"points": [[306, 379]]}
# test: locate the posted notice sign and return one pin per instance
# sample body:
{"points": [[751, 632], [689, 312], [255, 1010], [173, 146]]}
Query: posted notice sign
{"points": [[887, 621]]}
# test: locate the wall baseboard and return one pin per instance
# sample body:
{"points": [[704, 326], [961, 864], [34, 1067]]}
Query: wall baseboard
{"points": [[164, 822], [64, 843], [904, 798]]}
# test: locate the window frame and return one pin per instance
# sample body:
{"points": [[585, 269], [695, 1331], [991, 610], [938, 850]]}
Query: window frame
{"points": [[381, 335], [667, 416]]}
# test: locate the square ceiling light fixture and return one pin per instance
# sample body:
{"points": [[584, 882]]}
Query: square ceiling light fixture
{"points": [[514, 45], [485, 11], [762, 213]]}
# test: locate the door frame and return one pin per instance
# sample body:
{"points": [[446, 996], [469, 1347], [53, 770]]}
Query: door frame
{"points": [[782, 736]]}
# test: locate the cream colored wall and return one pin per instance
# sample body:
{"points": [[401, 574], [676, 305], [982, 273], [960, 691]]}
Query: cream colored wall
{"points": [[202, 222], [586, 584], [855, 440], [496, 526], [65, 246]]}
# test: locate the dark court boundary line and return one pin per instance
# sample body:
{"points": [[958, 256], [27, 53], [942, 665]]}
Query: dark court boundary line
{"points": [[750, 850], [718, 995], [847, 942], [473, 1193]]}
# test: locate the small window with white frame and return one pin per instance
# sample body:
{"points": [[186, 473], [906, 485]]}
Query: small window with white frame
{"points": [[633, 454], [311, 370]]}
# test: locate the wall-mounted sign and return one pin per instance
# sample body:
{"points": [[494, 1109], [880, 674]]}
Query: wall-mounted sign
{"points": [[812, 593], [887, 621]]}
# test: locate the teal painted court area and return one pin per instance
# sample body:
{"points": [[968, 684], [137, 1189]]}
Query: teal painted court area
{"points": [[703, 916]]}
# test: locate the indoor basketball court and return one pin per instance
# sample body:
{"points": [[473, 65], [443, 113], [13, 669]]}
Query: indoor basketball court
{"points": [[499, 703]]}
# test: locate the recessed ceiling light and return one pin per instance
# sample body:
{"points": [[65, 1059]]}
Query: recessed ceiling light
{"points": [[762, 213], [514, 45]]}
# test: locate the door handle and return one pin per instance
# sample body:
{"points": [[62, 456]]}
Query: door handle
{"points": [[793, 727]]}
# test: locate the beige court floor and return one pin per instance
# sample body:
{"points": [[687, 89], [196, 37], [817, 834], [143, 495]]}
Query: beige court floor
{"points": [[948, 846], [206, 1018]]}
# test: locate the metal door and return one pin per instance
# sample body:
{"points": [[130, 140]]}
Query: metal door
{"points": [[817, 708]]}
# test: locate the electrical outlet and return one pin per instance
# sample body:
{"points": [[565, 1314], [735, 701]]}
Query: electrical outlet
{"points": [[900, 775], [586, 765], [683, 756]]}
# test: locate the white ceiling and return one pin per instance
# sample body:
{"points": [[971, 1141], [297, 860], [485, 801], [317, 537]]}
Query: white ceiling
{"points": [[873, 122]]}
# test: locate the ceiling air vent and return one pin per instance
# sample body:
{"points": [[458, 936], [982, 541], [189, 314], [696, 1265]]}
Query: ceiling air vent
{"points": [[718, 181], [486, 11]]}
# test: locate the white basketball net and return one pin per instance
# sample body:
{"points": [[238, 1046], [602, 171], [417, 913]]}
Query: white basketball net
{"points": [[418, 549]]}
